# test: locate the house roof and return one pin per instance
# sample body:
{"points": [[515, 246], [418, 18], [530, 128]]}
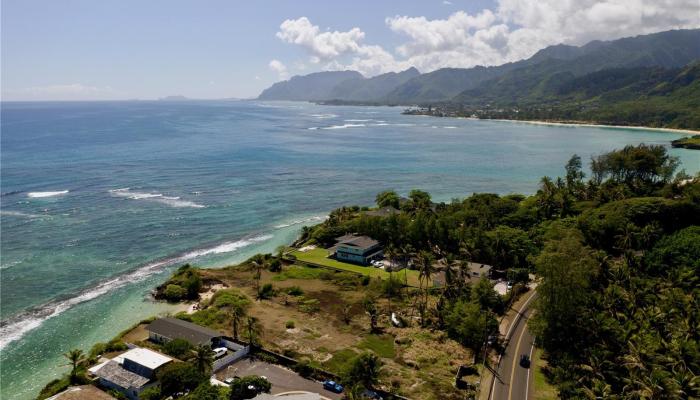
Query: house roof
{"points": [[85, 392], [382, 212], [148, 358], [363, 242], [113, 371], [174, 328]]}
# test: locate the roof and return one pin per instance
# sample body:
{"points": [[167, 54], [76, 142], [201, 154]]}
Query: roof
{"points": [[85, 392], [364, 242], [479, 268], [174, 328], [382, 212], [112, 371], [148, 358]]}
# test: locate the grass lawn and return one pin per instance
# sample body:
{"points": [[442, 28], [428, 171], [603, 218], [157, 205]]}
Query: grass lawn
{"points": [[543, 390], [320, 257], [383, 345]]}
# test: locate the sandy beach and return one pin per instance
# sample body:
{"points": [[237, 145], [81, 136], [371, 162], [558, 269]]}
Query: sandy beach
{"points": [[592, 125]]}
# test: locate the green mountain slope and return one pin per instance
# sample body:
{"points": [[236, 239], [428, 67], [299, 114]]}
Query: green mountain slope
{"points": [[370, 89], [316, 86]]}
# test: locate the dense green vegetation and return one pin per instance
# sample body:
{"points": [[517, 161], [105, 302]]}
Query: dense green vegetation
{"points": [[185, 284], [692, 142], [649, 96], [616, 255]]}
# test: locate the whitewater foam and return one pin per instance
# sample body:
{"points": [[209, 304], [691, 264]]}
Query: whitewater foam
{"points": [[173, 201], [344, 126], [15, 327], [317, 218], [324, 116], [46, 194], [19, 214]]}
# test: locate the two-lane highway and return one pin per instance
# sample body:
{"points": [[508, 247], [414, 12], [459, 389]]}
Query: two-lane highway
{"points": [[514, 381]]}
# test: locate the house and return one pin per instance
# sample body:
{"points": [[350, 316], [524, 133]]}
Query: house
{"points": [[84, 392], [478, 271], [357, 249], [383, 212], [131, 372], [164, 330]]}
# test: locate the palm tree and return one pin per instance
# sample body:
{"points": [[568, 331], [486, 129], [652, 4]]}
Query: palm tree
{"points": [[238, 312], [371, 310], [76, 358], [425, 265], [254, 330], [203, 358]]}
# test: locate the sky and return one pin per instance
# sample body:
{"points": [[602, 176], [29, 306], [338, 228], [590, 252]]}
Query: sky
{"points": [[128, 49]]}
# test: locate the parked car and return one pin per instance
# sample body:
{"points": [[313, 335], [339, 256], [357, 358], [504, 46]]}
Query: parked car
{"points": [[333, 386], [220, 352], [232, 379], [525, 361]]}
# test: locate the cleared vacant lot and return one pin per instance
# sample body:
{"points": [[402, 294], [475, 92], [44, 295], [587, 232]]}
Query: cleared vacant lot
{"points": [[319, 257]]}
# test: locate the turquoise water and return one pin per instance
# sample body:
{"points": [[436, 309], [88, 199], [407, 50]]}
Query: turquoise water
{"points": [[100, 201]]}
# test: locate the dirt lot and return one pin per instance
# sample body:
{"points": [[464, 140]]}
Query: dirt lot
{"points": [[418, 363]]}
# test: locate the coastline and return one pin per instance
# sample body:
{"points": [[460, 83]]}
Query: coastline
{"points": [[591, 125]]}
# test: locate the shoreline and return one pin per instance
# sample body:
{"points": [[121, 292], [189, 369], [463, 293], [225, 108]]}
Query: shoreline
{"points": [[590, 125]]}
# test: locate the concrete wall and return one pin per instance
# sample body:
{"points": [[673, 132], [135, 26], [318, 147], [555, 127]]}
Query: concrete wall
{"points": [[230, 359]]}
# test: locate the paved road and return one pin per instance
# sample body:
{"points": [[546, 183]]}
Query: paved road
{"points": [[515, 382], [282, 379]]}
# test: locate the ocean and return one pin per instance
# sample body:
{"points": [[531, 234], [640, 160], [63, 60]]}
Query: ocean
{"points": [[102, 200]]}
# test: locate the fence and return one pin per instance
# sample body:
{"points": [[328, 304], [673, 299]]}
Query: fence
{"points": [[230, 359]]}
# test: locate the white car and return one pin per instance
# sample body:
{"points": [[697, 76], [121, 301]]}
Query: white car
{"points": [[220, 352]]}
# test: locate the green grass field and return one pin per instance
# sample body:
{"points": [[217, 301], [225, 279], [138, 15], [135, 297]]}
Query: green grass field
{"points": [[543, 390], [320, 257]]}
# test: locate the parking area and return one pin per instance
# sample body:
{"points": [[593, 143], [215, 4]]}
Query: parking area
{"points": [[282, 379]]}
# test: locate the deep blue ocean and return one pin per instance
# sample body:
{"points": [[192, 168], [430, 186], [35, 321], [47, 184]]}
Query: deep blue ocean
{"points": [[101, 200]]}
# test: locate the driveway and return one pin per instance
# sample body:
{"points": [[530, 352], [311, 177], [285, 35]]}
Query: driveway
{"points": [[282, 379]]}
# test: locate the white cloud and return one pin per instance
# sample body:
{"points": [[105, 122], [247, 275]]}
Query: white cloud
{"points": [[447, 3], [279, 68], [512, 30], [73, 91]]}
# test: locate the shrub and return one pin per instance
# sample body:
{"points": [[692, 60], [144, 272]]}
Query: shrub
{"points": [[309, 306], [179, 377], [174, 292], [295, 291], [303, 368], [178, 348], [289, 324], [152, 393], [249, 387], [267, 291], [228, 298], [116, 345], [53, 387]]}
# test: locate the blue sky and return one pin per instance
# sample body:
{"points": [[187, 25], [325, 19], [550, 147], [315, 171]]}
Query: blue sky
{"points": [[117, 49]]}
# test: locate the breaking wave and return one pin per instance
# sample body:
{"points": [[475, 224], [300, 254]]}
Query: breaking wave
{"points": [[46, 194], [17, 326], [19, 214], [173, 201], [344, 126], [317, 218]]}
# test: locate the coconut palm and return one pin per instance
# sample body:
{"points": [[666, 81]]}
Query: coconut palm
{"points": [[76, 359], [238, 312], [203, 358], [254, 330]]}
